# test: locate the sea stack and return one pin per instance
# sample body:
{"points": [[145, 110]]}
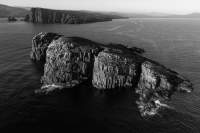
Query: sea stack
{"points": [[69, 62], [40, 44], [72, 61], [114, 70]]}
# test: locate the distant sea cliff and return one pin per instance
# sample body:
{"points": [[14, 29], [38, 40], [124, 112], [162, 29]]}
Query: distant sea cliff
{"points": [[49, 16]]}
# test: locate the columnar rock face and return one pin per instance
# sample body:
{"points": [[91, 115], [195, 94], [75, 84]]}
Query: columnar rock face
{"points": [[68, 63], [48, 16], [40, 43], [73, 60], [40, 15], [114, 71], [153, 82], [156, 85]]}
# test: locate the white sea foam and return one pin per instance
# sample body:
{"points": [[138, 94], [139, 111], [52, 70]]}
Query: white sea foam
{"points": [[162, 104], [52, 86]]}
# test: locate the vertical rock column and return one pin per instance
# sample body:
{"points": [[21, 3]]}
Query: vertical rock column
{"points": [[113, 71], [67, 64], [40, 42]]}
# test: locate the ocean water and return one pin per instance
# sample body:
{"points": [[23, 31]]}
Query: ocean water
{"points": [[172, 42]]}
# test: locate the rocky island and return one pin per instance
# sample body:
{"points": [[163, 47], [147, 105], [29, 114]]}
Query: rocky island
{"points": [[49, 16], [72, 61], [11, 19]]}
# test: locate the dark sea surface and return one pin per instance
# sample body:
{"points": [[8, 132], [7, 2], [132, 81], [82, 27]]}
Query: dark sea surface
{"points": [[172, 42]]}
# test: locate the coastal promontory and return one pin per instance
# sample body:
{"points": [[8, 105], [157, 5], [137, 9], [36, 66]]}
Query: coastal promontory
{"points": [[72, 61], [50, 16]]}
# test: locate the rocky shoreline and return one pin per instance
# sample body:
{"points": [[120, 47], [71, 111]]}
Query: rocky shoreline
{"points": [[72, 61]]}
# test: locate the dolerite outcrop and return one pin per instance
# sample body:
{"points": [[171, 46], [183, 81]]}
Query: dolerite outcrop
{"points": [[69, 61], [40, 43], [72, 61], [156, 85], [113, 70]]}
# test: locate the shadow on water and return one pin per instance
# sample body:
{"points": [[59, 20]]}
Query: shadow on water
{"points": [[75, 110], [38, 66]]}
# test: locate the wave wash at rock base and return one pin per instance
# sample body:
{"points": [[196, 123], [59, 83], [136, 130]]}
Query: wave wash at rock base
{"points": [[71, 61]]}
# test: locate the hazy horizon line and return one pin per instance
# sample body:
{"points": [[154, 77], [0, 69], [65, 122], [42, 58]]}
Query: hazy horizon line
{"points": [[114, 11]]}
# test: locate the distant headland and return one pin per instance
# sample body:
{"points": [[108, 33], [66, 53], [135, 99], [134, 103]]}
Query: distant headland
{"points": [[49, 16]]}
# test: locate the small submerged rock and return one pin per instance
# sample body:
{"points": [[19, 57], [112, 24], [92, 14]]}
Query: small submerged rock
{"points": [[11, 19], [72, 61]]}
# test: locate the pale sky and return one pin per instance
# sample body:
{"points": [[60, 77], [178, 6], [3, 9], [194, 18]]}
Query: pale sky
{"points": [[164, 6]]}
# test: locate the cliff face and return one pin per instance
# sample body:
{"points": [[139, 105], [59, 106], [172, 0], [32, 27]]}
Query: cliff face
{"points": [[68, 63], [156, 85], [153, 83], [73, 60], [40, 43], [114, 71], [48, 16]]}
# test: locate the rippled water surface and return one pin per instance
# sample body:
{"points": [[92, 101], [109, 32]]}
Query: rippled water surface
{"points": [[173, 42]]}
